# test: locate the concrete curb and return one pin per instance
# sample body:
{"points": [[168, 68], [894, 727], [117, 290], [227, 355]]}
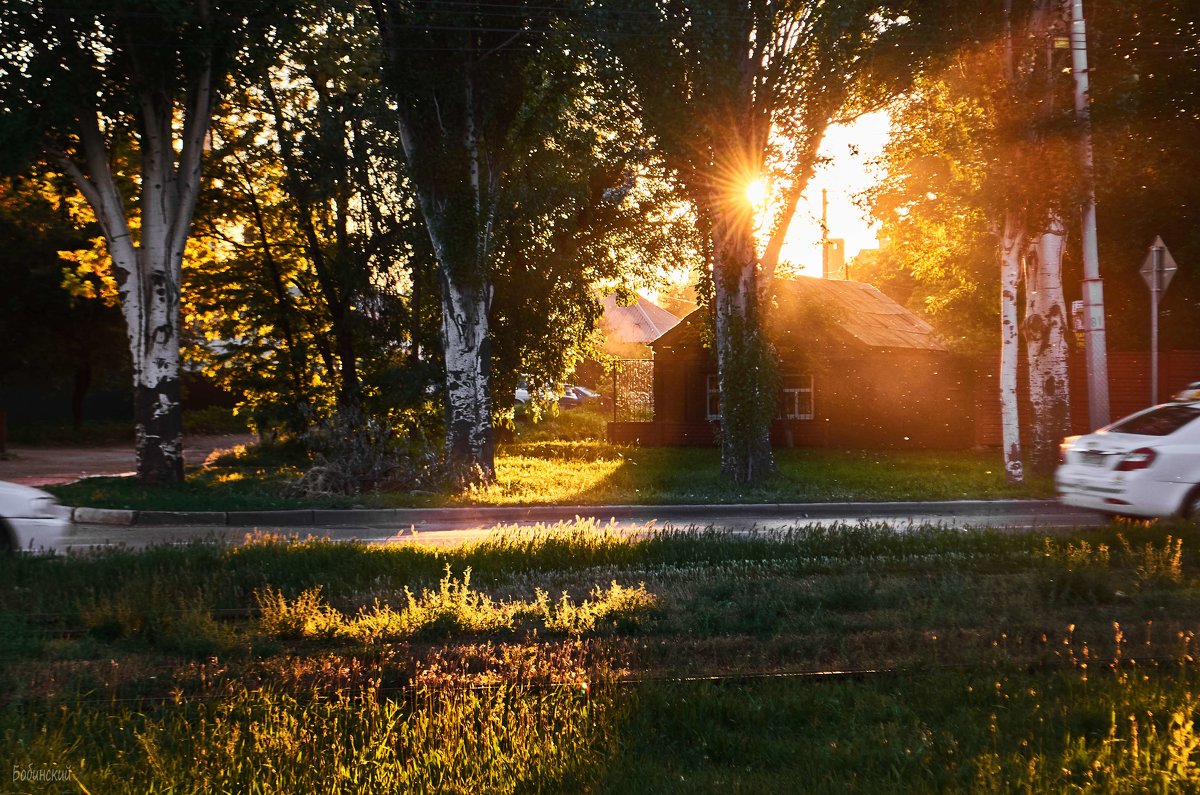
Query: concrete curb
{"points": [[181, 517], [541, 513], [103, 516]]}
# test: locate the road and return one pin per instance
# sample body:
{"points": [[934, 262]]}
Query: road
{"points": [[457, 526]]}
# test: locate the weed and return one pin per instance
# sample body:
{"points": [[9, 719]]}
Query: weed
{"points": [[1155, 566]]}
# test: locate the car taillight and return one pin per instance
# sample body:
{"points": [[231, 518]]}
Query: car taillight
{"points": [[1138, 459], [1064, 446]]}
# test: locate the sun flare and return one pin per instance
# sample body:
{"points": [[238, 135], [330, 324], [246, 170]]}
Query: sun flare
{"points": [[756, 192]]}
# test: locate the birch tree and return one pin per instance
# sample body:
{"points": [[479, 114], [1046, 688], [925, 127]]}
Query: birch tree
{"points": [[84, 80], [460, 74], [1046, 343], [521, 183], [979, 150]]}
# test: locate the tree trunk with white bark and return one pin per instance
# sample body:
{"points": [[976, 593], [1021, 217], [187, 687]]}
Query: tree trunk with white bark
{"points": [[149, 271], [745, 358], [470, 448], [466, 293], [1045, 330], [1012, 238]]}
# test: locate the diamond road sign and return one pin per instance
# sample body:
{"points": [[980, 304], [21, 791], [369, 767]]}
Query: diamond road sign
{"points": [[1168, 266]]}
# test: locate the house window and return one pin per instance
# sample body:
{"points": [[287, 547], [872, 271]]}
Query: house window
{"points": [[713, 400], [796, 397]]}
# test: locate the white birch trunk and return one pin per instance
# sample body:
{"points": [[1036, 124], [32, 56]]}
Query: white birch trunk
{"points": [[1045, 331], [148, 272], [466, 294], [469, 440], [1011, 239]]}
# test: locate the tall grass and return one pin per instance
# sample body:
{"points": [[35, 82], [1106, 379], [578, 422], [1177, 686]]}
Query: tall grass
{"points": [[1130, 730], [454, 608], [501, 739]]}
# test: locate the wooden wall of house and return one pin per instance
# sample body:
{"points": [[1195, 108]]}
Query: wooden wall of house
{"points": [[876, 399]]}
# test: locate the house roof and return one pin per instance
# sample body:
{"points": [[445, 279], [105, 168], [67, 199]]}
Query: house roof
{"points": [[642, 323], [861, 314]]}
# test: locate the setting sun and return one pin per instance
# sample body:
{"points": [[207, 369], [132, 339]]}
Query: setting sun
{"points": [[756, 192]]}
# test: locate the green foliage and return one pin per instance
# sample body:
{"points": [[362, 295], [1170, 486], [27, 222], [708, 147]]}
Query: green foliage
{"points": [[314, 296], [353, 453], [966, 139], [60, 335]]}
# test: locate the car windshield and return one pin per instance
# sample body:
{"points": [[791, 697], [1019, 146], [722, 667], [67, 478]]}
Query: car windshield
{"points": [[1158, 422]]}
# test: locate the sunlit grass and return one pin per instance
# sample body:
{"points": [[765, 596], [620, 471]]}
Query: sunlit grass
{"points": [[588, 472], [522, 480], [453, 608]]}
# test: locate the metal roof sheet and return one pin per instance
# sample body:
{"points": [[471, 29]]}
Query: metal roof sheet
{"points": [[860, 310], [643, 322]]}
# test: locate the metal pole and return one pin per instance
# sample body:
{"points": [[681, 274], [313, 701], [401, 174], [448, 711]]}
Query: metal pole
{"points": [[1155, 291], [614, 379], [1093, 287], [824, 234]]}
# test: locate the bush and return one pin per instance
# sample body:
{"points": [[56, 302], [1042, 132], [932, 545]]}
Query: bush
{"points": [[353, 453]]}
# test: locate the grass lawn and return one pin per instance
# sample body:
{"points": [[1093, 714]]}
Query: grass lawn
{"points": [[572, 659], [589, 472]]}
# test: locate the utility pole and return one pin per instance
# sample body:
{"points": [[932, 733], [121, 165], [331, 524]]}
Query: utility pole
{"points": [[1093, 286], [824, 234]]}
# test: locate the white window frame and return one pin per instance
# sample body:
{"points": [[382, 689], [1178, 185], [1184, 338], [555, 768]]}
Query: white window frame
{"points": [[791, 397], [712, 397]]}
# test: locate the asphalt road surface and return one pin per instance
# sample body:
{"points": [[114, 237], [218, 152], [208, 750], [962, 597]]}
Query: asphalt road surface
{"points": [[452, 527]]}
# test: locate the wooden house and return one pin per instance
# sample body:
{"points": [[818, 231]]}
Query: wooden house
{"points": [[857, 370]]}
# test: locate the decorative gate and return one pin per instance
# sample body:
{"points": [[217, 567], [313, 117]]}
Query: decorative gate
{"points": [[633, 390]]}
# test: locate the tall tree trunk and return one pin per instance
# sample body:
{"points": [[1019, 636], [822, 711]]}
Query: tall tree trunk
{"points": [[1045, 330], [1011, 239], [470, 447], [157, 411], [148, 275], [745, 358]]}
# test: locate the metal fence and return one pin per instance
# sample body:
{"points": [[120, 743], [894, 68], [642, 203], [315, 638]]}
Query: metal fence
{"points": [[632, 382]]}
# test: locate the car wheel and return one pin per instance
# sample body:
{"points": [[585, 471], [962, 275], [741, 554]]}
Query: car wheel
{"points": [[1191, 505], [8, 539]]}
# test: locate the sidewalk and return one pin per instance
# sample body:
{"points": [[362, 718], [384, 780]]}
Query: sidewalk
{"points": [[48, 466]]}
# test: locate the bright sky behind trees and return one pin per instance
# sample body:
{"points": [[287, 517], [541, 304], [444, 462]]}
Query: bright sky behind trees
{"points": [[848, 148]]}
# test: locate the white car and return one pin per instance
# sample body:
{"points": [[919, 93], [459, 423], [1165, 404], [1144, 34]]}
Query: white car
{"points": [[1147, 464], [31, 519]]}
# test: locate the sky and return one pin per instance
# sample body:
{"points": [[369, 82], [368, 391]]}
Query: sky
{"points": [[850, 148]]}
